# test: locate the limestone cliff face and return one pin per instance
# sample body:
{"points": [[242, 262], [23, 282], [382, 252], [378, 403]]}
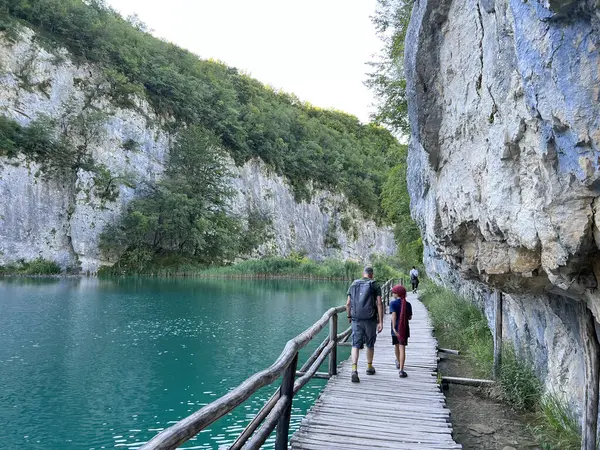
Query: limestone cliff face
{"points": [[61, 220], [504, 167]]}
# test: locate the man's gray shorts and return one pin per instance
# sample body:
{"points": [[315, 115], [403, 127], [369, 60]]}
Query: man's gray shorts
{"points": [[364, 332]]}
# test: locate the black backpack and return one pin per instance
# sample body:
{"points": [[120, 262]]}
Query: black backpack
{"points": [[362, 300]]}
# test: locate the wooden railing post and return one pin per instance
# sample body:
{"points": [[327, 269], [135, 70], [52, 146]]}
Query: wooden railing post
{"points": [[591, 356], [497, 334], [333, 338], [287, 391]]}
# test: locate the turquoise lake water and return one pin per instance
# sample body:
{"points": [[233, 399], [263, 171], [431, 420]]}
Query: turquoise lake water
{"points": [[91, 364]]}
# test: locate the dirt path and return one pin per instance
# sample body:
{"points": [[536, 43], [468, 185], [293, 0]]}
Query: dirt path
{"points": [[480, 422]]}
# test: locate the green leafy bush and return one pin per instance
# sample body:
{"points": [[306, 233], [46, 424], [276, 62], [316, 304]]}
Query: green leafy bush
{"points": [[38, 266], [331, 238], [460, 325], [294, 266]]}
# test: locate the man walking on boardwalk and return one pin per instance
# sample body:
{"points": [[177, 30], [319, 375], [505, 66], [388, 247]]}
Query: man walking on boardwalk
{"points": [[365, 311], [414, 279]]}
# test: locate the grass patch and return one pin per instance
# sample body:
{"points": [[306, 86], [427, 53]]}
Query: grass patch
{"points": [[519, 384], [461, 325], [556, 426], [38, 266], [294, 266]]}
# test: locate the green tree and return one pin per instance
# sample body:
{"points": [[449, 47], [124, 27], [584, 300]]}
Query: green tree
{"points": [[389, 85], [387, 78], [396, 204], [182, 215]]}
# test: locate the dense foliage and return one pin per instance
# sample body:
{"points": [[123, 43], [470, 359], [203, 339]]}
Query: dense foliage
{"points": [[387, 79], [39, 142], [332, 149], [395, 203], [389, 85]]}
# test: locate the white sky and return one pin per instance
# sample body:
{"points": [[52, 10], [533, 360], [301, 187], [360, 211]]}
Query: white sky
{"points": [[316, 49]]}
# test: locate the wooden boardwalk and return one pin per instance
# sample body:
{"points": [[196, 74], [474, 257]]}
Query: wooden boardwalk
{"points": [[383, 410]]}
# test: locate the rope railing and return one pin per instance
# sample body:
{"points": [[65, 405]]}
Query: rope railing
{"points": [[276, 411]]}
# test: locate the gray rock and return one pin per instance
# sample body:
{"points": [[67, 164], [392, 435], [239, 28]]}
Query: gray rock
{"points": [[482, 429], [504, 167]]}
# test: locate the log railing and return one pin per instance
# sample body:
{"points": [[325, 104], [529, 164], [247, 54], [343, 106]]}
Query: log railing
{"points": [[386, 291], [276, 411]]}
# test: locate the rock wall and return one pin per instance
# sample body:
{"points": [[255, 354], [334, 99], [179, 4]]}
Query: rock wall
{"points": [[61, 220], [504, 164]]}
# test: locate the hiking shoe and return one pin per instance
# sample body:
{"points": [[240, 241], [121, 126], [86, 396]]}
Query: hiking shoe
{"points": [[403, 374], [371, 371], [397, 365], [355, 378]]}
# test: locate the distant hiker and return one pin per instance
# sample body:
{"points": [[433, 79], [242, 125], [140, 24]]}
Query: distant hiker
{"points": [[414, 279], [401, 312], [365, 311]]}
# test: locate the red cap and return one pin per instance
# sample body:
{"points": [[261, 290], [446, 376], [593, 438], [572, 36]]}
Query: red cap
{"points": [[399, 290]]}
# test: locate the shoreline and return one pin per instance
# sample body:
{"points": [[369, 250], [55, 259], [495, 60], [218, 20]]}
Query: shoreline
{"points": [[180, 275], [273, 268]]}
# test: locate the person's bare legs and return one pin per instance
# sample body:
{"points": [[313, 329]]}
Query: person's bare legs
{"points": [[397, 351], [370, 368], [355, 352], [370, 354], [402, 358]]}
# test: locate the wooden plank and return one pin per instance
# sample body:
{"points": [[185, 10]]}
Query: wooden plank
{"points": [[468, 381], [449, 351], [374, 427], [380, 415], [383, 411], [389, 436], [368, 443]]}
